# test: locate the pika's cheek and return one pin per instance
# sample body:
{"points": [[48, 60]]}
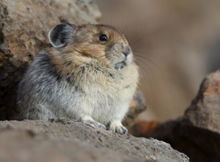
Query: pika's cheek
{"points": [[129, 58]]}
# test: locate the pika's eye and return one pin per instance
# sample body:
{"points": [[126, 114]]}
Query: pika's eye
{"points": [[103, 37]]}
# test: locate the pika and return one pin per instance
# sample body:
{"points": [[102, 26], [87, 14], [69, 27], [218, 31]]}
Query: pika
{"points": [[88, 74]]}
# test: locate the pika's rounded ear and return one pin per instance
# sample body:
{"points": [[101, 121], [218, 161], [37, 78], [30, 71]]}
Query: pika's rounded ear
{"points": [[61, 34]]}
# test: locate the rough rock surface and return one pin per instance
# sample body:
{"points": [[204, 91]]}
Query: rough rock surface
{"points": [[204, 111], [63, 141], [197, 133]]}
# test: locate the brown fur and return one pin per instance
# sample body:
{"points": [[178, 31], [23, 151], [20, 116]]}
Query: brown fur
{"points": [[86, 48]]}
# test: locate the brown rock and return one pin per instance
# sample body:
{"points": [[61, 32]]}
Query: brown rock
{"points": [[197, 133], [26, 146], [142, 128], [204, 111], [62, 141]]}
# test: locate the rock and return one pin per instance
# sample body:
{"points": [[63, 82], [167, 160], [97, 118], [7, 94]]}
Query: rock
{"points": [[204, 111], [142, 128], [25, 146], [199, 144], [63, 141], [197, 133]]}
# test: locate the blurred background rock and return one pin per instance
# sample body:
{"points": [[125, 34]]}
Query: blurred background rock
{"points": [[175, 43]]}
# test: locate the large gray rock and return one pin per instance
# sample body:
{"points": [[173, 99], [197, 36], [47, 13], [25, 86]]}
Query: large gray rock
{"points": [[63, 141]]}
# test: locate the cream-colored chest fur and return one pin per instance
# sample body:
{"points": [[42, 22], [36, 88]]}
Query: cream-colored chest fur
{"points": [[109, 97]]}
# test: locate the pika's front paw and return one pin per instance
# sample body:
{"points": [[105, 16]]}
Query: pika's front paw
{"points": [[94, 124], [91, 122], [117, 127]]}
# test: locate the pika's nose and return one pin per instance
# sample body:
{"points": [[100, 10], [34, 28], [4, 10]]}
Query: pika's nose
{"points": [[127, 51]]}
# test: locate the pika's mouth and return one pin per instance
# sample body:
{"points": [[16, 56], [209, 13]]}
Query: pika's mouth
{"points": [[125, 60], [120, 65]]}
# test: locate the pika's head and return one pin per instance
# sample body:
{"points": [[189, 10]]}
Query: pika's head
{"points": [[89, 42]]}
